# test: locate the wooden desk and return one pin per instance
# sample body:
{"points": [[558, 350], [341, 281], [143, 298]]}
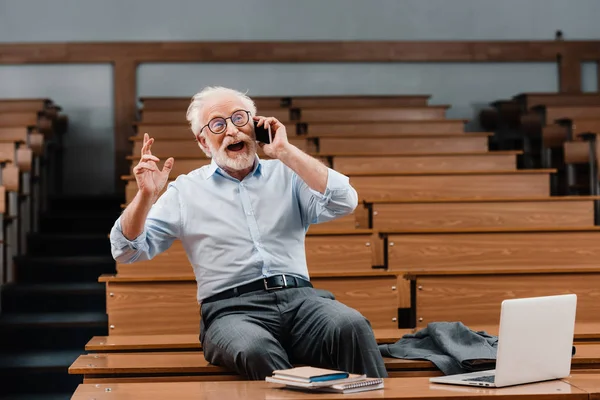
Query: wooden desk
{"points": [[589, 383], [395, 388]]}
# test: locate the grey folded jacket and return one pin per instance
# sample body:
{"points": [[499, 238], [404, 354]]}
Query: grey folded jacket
{"points": [[451, 346]]}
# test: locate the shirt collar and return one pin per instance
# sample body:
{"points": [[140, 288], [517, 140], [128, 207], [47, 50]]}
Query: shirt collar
{"points": [[214, 168]]}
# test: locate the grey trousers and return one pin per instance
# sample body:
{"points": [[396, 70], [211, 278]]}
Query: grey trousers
{"points": [[259, 332]]}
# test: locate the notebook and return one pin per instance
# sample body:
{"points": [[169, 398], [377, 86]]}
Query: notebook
{"points": [[355, 387], [319, 379], [310, 374]]}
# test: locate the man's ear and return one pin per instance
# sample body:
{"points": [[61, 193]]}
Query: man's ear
{"points": [[203, 144]]}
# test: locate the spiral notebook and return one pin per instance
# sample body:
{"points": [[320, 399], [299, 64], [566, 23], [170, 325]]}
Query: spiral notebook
{"points": [[352, 384], [355, 387]]}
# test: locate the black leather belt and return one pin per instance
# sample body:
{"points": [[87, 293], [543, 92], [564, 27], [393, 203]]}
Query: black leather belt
{"points": [[267, 284]]}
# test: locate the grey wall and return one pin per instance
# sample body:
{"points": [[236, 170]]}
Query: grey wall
{"points": [[85, 91]]}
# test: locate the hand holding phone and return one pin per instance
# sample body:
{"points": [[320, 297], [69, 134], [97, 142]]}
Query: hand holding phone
{"points": [[263, 134]]}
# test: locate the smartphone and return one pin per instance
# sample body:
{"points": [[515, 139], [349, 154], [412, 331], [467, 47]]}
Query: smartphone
{"points": [[262, 134]]}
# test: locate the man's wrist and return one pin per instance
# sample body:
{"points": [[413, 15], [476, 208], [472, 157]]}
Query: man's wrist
{"points": [[287, 153]]}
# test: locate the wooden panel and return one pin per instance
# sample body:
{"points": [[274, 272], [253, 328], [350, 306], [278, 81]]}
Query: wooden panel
{"points": [[347, 222], [580, 126], [164, 131], [475, 300], [375, 297], [365, 129], [152, 308], [181, 131], [124, 89], [183, 148], [558, 99], [171, 307], [7, 152], [358, 101], [18, 119], [340, 253], [578, 152], [403, 146], [10, 178], [557, 112], [494, 251], [14, 134], [187, 165], [473, 162], [3, 208], [24, 159], [450, 186], [179, 103], [20, 105], [373, 114], [178, 117], [424, 216], [182, 103], [172, 262], [554, 135], [287, 51]]}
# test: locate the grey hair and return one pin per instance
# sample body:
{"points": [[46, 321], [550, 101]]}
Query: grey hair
{"points": [[200, 99]]}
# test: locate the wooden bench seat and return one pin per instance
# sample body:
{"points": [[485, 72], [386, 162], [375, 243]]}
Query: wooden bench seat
{"points": [[20, 105], [360, 163], [543, 115], [179, 116], [192, 366], [37, 120], [530, 100], [459, 143], [384, 185], [182, 103], [364, 130], [451, 215], [475, 161], [189, 147], [179, 342], [481, 184], [376, 115], [584, 333]]}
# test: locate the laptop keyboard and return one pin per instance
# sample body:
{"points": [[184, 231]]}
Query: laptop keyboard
{"points": [[487, 378]]}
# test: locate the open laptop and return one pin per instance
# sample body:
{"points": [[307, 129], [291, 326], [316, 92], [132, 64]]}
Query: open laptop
{"points": [[535, 343]]}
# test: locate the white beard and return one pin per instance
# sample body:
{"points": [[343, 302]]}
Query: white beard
{"points": [[239, 161]]}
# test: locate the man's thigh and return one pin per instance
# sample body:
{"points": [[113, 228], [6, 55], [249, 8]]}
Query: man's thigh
{"points": [[317, 321]]}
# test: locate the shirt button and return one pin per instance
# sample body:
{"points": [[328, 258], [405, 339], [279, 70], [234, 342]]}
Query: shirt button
{"points": [[249, 213]]}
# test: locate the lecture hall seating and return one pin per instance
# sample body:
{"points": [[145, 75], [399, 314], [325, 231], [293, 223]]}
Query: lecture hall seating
{"points": [[445, 230]]}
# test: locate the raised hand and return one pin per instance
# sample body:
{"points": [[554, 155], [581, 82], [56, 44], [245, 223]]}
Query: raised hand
{"points": [[149, 178]]}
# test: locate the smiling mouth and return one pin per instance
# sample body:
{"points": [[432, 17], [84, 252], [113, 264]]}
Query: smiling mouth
{"points": [[239, 146]]}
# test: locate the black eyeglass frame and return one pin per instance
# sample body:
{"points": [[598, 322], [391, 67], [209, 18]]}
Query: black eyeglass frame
{"points": [[225, 119]]}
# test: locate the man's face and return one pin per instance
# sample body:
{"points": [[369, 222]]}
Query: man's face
{"points": [[235, 148]]}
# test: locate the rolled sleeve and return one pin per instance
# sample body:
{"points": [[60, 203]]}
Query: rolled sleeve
{"points": [[162, 227], [339, 199]]}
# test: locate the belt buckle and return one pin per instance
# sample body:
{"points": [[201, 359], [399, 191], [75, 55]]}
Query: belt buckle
{"points": [[267, 288]]}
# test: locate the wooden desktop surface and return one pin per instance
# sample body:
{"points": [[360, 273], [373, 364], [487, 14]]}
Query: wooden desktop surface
{"points": [[395, 388]]}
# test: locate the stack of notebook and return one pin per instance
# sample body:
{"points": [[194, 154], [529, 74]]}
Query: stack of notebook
{"points": [[327, 380]]}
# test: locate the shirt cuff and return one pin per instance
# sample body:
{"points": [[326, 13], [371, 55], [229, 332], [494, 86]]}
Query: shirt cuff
{"points": [[336, 182], [122, 241]]}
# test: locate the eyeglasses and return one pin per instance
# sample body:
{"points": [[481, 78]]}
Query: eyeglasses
{"points": [[218, 125]]}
